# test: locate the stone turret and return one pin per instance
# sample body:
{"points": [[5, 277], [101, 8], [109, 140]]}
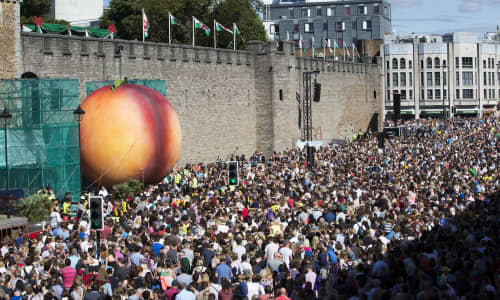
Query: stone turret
{"points": [[10, 35]]}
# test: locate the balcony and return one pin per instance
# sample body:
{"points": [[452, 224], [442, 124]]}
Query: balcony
{"points": [[437, 102], [490, 101], [466, 102]]}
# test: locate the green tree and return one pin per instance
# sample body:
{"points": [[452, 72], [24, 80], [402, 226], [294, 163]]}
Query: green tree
{"points": [[130, 188], [39, 8], [127, 17], [245, 14], [34, 207]]}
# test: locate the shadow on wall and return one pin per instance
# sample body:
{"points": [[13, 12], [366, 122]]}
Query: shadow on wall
{"points": [[373, 124]]}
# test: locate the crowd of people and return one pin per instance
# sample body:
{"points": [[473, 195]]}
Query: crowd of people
{"points": [[415, 220]]}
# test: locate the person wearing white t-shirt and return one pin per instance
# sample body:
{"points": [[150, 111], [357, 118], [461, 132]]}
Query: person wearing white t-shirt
{"points": [[271, 249], [286, 252]]}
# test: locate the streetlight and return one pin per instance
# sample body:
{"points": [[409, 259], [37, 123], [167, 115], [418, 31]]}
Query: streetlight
{"points": [[79, 113], [5, 116]]}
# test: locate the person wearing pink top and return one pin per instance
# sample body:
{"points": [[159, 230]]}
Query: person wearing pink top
{"points": [[68, 274]]}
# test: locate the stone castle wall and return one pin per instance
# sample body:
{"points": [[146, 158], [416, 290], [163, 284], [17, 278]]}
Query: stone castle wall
{"points": [[227, 101]]}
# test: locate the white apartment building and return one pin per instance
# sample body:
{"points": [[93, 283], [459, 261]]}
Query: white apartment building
{"points": [[457, 74]]}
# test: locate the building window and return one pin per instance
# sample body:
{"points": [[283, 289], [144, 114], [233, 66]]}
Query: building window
{"points": [[291, 12], [437, 94], [422, 78], [388, 95], [394, 63], [395, 79], [340, 27], [330, 11], [411, 79], [437, 78], [362, 10], [429, 63], [409, 65], [275, 28], [376, 9], [489, 78], [429, 94], [296, 27], [306, 12], [457, 93], [388, 65], [444, 79], [484, 78], [388, 79], [402, 63], [457, 77], [354, 25], [444, 62], [467, 78], [403, 94], [485, 94], [429, 78], [421, 64], [347, 11], [467, 94], [410, 94], [445, 93], [489, 93], [484, 63], [309, 27], [402, 78], [340, 42], [422, 94], [498, 77], [325, 26], [367, 25], [319, 12], [437, 63], [457, 62], [467, 62]]}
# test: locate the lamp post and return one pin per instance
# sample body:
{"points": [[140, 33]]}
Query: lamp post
{"points": [[79, 113], [5, 116]]}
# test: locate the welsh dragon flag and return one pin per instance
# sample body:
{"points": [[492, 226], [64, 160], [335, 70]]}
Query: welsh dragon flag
{"points": [[237, 32], [220, 27], [200, 25], [145, 25]]}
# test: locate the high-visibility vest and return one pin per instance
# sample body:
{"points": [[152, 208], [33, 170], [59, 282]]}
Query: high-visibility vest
{"points": [[178, 178], [66, 208]]}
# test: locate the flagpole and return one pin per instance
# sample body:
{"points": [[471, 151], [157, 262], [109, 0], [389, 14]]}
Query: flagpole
{"points": [[324, 48], [215, 34], [193, 31], [312, 46], [353, 52], [169, 23], [234, 36]]}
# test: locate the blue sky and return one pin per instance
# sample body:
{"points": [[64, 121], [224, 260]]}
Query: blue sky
{"points": [[441, 16]]}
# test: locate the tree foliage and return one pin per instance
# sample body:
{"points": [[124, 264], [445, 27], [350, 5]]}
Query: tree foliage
{"points": [[39, 8], [35, 207], [130, 188], [127, 17]]}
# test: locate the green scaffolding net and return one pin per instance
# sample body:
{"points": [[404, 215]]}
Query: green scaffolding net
{"points": [[42, 136], [158, 85]]}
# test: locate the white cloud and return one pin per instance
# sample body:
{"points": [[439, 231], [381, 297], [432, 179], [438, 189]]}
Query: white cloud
{"points": [[468, 6], [406, 3]]}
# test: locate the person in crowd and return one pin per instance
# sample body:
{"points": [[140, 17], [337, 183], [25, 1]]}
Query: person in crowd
{"points": [[416, 220]]}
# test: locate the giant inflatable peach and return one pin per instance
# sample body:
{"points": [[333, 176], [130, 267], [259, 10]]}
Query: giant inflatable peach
{"points": [[128, 131]]}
